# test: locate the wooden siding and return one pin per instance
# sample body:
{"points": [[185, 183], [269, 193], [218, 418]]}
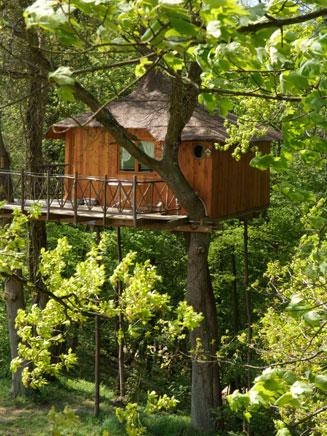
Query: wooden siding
{"points": [[227, 187], [198, 172], [236, 186], [93, 152]]}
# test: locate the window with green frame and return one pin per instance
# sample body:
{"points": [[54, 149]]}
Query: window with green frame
{"points": [[128, 163]]}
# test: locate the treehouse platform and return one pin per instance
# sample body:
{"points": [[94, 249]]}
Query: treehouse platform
{"points": [[96, 201]]}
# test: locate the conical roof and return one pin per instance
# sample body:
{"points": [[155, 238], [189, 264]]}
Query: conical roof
{"points": [[148, 108]]}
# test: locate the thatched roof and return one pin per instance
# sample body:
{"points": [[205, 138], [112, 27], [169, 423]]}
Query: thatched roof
{"points": [[147, 108]]}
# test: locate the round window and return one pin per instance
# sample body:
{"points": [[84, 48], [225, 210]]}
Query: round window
{"points": [[198, 151]]}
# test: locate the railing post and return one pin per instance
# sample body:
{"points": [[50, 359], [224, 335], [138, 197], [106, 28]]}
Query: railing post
{"points": [[153, 208], [23, 190], [119, 196], [75, 196], [48, 194], [134, 201], [105, 200]]}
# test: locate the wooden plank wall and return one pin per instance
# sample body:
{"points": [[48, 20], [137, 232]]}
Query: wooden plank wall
{"points": [[93, 152], [198, 172], [237, 187], [226, 186]]}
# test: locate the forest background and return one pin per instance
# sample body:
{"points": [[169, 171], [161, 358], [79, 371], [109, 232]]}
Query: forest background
{"points": [[270, 303]]}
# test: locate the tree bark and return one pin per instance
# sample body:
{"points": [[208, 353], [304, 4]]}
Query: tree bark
{"points": [[5, 179], [206, 390], [35, 113], [14, 297]]}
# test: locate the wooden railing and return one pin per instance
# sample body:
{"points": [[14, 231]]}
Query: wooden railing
{"points": [[94, 194]]}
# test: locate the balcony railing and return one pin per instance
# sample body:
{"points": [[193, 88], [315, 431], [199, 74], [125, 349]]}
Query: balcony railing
{"points": [[79, 193]]}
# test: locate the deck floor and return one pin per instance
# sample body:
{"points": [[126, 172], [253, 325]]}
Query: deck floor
{"points": [[114, 218]]}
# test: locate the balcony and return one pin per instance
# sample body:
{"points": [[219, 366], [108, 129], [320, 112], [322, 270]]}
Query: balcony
{"points": [[92, 200]]}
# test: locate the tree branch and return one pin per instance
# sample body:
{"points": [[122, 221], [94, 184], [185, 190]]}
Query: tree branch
{"points": [[121, 135], [280, 22], [113, 65], [14, 74], [308, 417], [278, 97]]}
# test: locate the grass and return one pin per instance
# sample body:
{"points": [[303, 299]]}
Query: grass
{"points": [[28, 416]]}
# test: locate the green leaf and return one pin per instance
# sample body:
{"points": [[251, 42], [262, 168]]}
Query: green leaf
{"points": [[224, 105], [42, 13], [310, 68], [151, 31], [263, 162], [62, 76], [296, 194], [292, 81], [171, 2], [320, 381], [298, 306], [283, 432], [238, 401], [301, 388], [66, 93], [214, 28], [287, 399], [184, 27], [140, 68], [175, 63], [313, 318], [210, 101]]}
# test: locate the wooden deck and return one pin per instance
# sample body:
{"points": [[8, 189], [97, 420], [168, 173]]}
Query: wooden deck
{"points": [[96, 201]]}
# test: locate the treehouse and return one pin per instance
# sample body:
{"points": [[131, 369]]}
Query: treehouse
{"points": [[104, 183]]}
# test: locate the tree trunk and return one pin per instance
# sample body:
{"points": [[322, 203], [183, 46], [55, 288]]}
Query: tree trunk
{"points": [[35, 113], [5, 179], [14, 297], [37, 241], [206, 390]]}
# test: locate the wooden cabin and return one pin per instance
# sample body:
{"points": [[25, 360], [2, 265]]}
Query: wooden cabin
{"points": [[227, 187]]}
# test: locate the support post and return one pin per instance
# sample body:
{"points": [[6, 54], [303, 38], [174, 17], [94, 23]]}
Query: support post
{"points": [[235, 302], [97, 338], [120, 324], [248, 304], [105, 200], [23, 190], [48, 194], [97, 367], [75, 196], [134, 201]]}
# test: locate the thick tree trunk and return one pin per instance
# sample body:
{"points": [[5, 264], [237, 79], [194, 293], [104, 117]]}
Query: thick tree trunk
{"points": [[5, 179], [206, 391], [35, 121], [14, 297]]}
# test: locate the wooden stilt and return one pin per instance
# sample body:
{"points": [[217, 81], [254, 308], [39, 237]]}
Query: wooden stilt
{"points": [[97, 338], [121, 375], [97, 367], [248, 305], [23, 190]]}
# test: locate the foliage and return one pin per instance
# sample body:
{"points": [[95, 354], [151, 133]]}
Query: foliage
{"points": [[65, 422], [296, 386], [76, 296], [131, 414], [261, 58], [252, 51]]}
